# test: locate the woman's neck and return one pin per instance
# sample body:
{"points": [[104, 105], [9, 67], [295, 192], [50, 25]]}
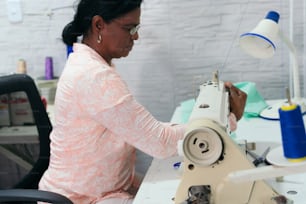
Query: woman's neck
{"points": [[98, 49]]}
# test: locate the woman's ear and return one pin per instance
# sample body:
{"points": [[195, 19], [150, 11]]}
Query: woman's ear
{"points": [[97, 23]]}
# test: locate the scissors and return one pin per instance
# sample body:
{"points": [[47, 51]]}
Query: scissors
{"points": [[259, 159]]}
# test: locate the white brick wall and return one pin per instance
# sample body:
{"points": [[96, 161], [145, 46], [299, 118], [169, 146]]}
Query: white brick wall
{"points": [[179, 40]]}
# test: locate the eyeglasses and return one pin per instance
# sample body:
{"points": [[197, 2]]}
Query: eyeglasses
{"points": [[132, 30]]}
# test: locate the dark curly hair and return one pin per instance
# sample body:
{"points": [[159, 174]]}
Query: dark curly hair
{"points": [[107, 9]]}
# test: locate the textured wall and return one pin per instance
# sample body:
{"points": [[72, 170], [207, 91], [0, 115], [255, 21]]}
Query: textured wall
{"points": [[183, 41]]}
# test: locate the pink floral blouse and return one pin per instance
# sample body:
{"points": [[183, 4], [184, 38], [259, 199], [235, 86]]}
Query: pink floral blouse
{"points": [[97, 126]]}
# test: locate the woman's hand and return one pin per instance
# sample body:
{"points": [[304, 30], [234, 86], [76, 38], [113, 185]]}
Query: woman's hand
{"points": [[237, 99]]}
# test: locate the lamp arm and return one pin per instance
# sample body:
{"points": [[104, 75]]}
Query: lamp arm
{"points": [[295, 66], [264, 172]]}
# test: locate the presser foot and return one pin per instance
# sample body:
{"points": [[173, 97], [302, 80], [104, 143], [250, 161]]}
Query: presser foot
{"points": [[199, 195]]}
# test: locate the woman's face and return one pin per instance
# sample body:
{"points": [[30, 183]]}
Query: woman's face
{"points": [[118, 36]]}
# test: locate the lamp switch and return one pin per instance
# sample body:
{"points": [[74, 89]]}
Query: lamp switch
{"points": [[14, 11]]}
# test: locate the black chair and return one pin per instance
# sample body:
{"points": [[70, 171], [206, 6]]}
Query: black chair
{"points": [[26, 190]]}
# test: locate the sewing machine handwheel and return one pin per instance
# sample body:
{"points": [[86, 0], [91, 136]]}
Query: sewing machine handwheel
{"points": [[203, 146]]}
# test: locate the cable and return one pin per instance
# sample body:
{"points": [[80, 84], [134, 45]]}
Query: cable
{"points": [[236, 34]]}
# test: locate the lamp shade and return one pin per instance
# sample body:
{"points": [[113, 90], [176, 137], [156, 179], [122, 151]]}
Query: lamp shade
{"points": [[259, 43]]}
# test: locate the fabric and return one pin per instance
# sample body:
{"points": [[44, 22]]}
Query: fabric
{"points": [[255, 102], [186, 109], [97, 126]]}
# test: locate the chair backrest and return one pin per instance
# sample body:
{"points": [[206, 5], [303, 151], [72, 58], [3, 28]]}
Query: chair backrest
{"points": [[24, 83]]}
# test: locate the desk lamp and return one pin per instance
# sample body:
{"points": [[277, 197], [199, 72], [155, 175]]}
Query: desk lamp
{"points": [[259, 43]]}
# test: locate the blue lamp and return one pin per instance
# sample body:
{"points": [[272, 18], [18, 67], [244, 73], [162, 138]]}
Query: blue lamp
{"points": [[260, 43]]}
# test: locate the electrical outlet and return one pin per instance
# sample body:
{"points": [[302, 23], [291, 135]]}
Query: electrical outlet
{"points": [[14, 12]]}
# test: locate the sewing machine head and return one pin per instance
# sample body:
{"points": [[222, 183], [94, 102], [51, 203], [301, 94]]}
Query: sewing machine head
{"points": [[210, 155]]}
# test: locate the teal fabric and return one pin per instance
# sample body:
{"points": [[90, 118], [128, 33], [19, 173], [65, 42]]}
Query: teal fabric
{"points": [[255, 102], [186, 109]]}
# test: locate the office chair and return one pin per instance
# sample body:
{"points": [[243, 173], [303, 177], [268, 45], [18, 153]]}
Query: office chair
{"points": [[26, 190]]}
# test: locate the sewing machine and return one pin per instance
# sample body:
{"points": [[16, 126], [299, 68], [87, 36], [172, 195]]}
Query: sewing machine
{"points": [[210, 155]]}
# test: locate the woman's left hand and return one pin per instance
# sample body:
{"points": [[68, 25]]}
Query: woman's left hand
{"points": [[237, 99]]}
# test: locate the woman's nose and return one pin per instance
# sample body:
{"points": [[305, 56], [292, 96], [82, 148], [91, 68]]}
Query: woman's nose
{"points": [[135, 36]]}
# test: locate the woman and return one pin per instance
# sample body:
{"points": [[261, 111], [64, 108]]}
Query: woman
{"points": [[98, 124]]}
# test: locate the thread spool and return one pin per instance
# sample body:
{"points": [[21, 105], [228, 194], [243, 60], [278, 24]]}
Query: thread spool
{"points": [[49, 68], [69, 50], [293, 133], [21, 67]]}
